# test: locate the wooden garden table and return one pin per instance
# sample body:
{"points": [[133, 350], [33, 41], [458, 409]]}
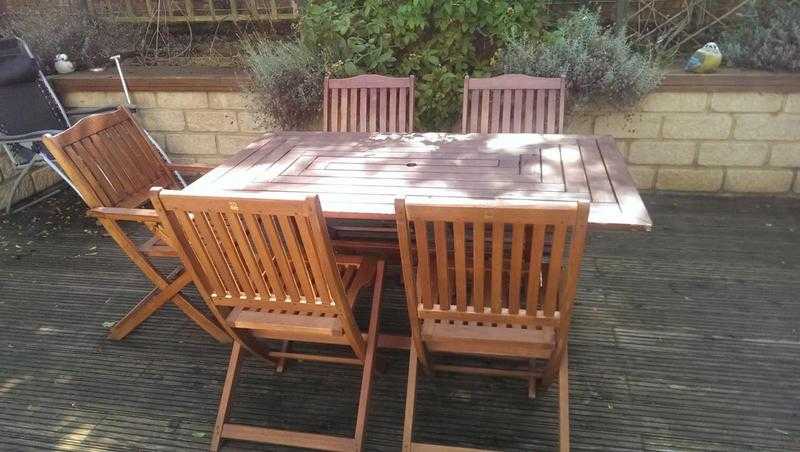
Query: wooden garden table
{"points": [[358, 176]]}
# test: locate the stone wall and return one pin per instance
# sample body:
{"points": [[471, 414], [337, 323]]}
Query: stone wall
{"points": [[38, 180], [693, 141], [731, 142], [191, 126]]}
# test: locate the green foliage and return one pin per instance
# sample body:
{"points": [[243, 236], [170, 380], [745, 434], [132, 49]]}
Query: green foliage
{"points": [[599, 64], [287, 81], [767, 38], [87, 41], [439, 41]]}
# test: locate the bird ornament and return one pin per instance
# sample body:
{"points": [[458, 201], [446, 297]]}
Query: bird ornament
{"points": [[63, 65], [705, 60]]}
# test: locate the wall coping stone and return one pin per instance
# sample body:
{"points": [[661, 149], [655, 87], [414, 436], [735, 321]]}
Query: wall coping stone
{"points": [[172, 78]]}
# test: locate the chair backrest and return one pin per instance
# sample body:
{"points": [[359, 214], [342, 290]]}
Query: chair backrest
{"points": [[264, 251], [110, 159], [513, 103], [27, 103], [500, 263], [368, 103]]}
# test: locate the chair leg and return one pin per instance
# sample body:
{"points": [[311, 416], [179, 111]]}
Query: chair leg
{"points": [[563, 404], [369, 361], [147, 308], [152, 302], [208, 325], [411, 396], [280, 366], [227, 394], [532, 379]]}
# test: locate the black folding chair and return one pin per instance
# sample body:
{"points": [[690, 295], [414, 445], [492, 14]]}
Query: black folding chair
{"points": [[29, 108]]}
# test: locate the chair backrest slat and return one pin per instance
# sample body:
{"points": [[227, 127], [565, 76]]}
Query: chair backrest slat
{"points": [[524, 259], [109, 159], [368, 103], [513, 103], [269, 252]]}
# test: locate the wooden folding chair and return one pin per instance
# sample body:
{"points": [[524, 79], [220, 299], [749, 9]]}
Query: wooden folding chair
{"points": [[266, 266], [513, 103], [113, 165], [468, 294], [368, 103]]}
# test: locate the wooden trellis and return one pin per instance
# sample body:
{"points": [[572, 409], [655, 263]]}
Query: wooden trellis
{"points": [[672, 24], [195, 11], [668, 24]]}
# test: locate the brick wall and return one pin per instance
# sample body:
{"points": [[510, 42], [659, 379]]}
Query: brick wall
{"points": [[724, 142]]}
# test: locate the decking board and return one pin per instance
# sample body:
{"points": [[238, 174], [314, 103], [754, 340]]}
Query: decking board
{"points": [[685, 338]]}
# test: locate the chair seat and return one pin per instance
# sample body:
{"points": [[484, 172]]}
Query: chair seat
{"points": [[356, 273], [488, 340]]}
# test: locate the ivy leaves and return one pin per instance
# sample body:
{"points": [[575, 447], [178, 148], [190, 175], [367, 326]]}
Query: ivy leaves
{"points": [[439, 41]]}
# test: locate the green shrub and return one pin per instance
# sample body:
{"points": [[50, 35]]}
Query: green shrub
{"points": [[599, 64], [767, 38], [287, 80], [87, 41], [439, 41]]}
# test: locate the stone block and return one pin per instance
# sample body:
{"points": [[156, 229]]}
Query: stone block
{"points": [[236, 101], [24, 190], [767, 127], [82, 99], [44, 178], [759, 180], [231, 144], [162, 120], [142, 99], [704, 126], [747, 102], [792, 103], [6, 167], [785, 154], [679, 102], [689, 179], [643, 176], [248, 122], [195, 99], [733, 154], [662, 152], [580, 124], [628, 125], [211, 120], [160, 138], [191, 143]]}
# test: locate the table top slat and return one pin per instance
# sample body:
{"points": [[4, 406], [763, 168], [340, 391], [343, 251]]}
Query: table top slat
{"points": [[358, 175]]}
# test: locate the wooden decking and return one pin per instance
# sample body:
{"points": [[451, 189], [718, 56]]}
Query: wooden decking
{"points": [[685, 338]]}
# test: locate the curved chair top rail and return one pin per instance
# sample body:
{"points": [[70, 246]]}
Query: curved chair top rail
{"points": [[370, 81], [515, 81]]}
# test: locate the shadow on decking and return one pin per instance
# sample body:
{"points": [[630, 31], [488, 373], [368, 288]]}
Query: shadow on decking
{"points": [[686, 338]]}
